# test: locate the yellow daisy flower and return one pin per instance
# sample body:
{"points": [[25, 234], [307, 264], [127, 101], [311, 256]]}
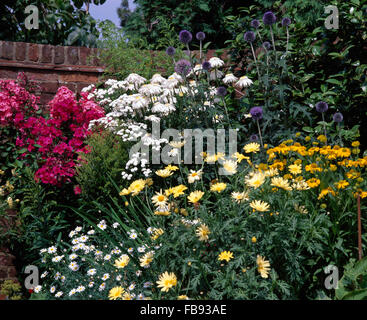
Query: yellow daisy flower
{"points": [[252, 147], [195, 196], [218, 187], [203, 232], [116, 293], [259, 205], [263, 266], [225, 255], [167, 281]]}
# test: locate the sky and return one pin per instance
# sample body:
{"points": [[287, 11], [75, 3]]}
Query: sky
{"points": [[108, 11]]}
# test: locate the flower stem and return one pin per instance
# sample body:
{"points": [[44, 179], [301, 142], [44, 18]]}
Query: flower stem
{"points": [[272, 40], [261, 139], [323, 120], [257, 68]]}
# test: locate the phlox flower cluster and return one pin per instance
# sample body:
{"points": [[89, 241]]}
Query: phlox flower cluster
{"points": [[54, 139]]}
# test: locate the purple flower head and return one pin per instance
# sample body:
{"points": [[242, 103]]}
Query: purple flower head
{"points": [[185, 36], [269, 18], [286, 22], [256, 113], [206, 65], [254, 137], [249, 36], [338, 117], [183, 67], [171, 51], [321, 107], [255, 23], [200, 36], [221, 91], [267, 45]]}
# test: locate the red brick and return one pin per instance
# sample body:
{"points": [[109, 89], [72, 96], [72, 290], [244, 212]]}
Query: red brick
{"points": [[49, 87], [42, 75], [7, 50], [20, 51], [33, 52], [84, 54], [78, 77], [46, 56], [70, 86], [46, 98], [59, 55], [3, 272], [72, 55], [6, 260], [8, 74], [12, 272], [80, 86]]}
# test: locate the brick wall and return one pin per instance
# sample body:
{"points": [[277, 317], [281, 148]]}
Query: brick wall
{"points": [[50, 66]]}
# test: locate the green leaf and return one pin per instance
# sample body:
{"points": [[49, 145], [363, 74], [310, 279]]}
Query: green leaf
{"points": [[360, 294], [334, 81]]}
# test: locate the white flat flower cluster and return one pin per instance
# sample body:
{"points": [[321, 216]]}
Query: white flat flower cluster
{"points": [[90, 266], [135, 103]]}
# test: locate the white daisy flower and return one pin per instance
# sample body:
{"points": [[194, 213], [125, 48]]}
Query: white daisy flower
{"points": [[244, 82]]}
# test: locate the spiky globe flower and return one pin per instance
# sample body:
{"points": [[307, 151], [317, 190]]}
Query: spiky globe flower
{"points": [[200, 36], [321, 107], [249, 36], [183, 67], [338, 117], [256, 113], [206, 65], [185, 36], [286, 22], [254, 138], [255, 23], [171, 51], [267, 45], [269, 18], [221, 91]]}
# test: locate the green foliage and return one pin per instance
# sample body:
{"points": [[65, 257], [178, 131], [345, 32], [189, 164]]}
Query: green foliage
{"points": [[41, 220], [11, 289], [321, 65], [60, 23], [105, 162], [148, 19], [123, 55], [353, 284]]}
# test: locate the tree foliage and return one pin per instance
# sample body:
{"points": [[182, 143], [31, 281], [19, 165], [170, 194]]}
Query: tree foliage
{"points": [[60, 22], [149, 17]]}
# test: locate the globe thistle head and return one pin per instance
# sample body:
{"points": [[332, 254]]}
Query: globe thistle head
{"points": [[221, 91], [171, 51], [200, 36], [269, 18], [185, 36], [206, 65], [254, 138], [256, 113], [267, 45], [338, 117], [321, 107], [255, 23], [286, 22], [183, 67], [249, 36]]}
